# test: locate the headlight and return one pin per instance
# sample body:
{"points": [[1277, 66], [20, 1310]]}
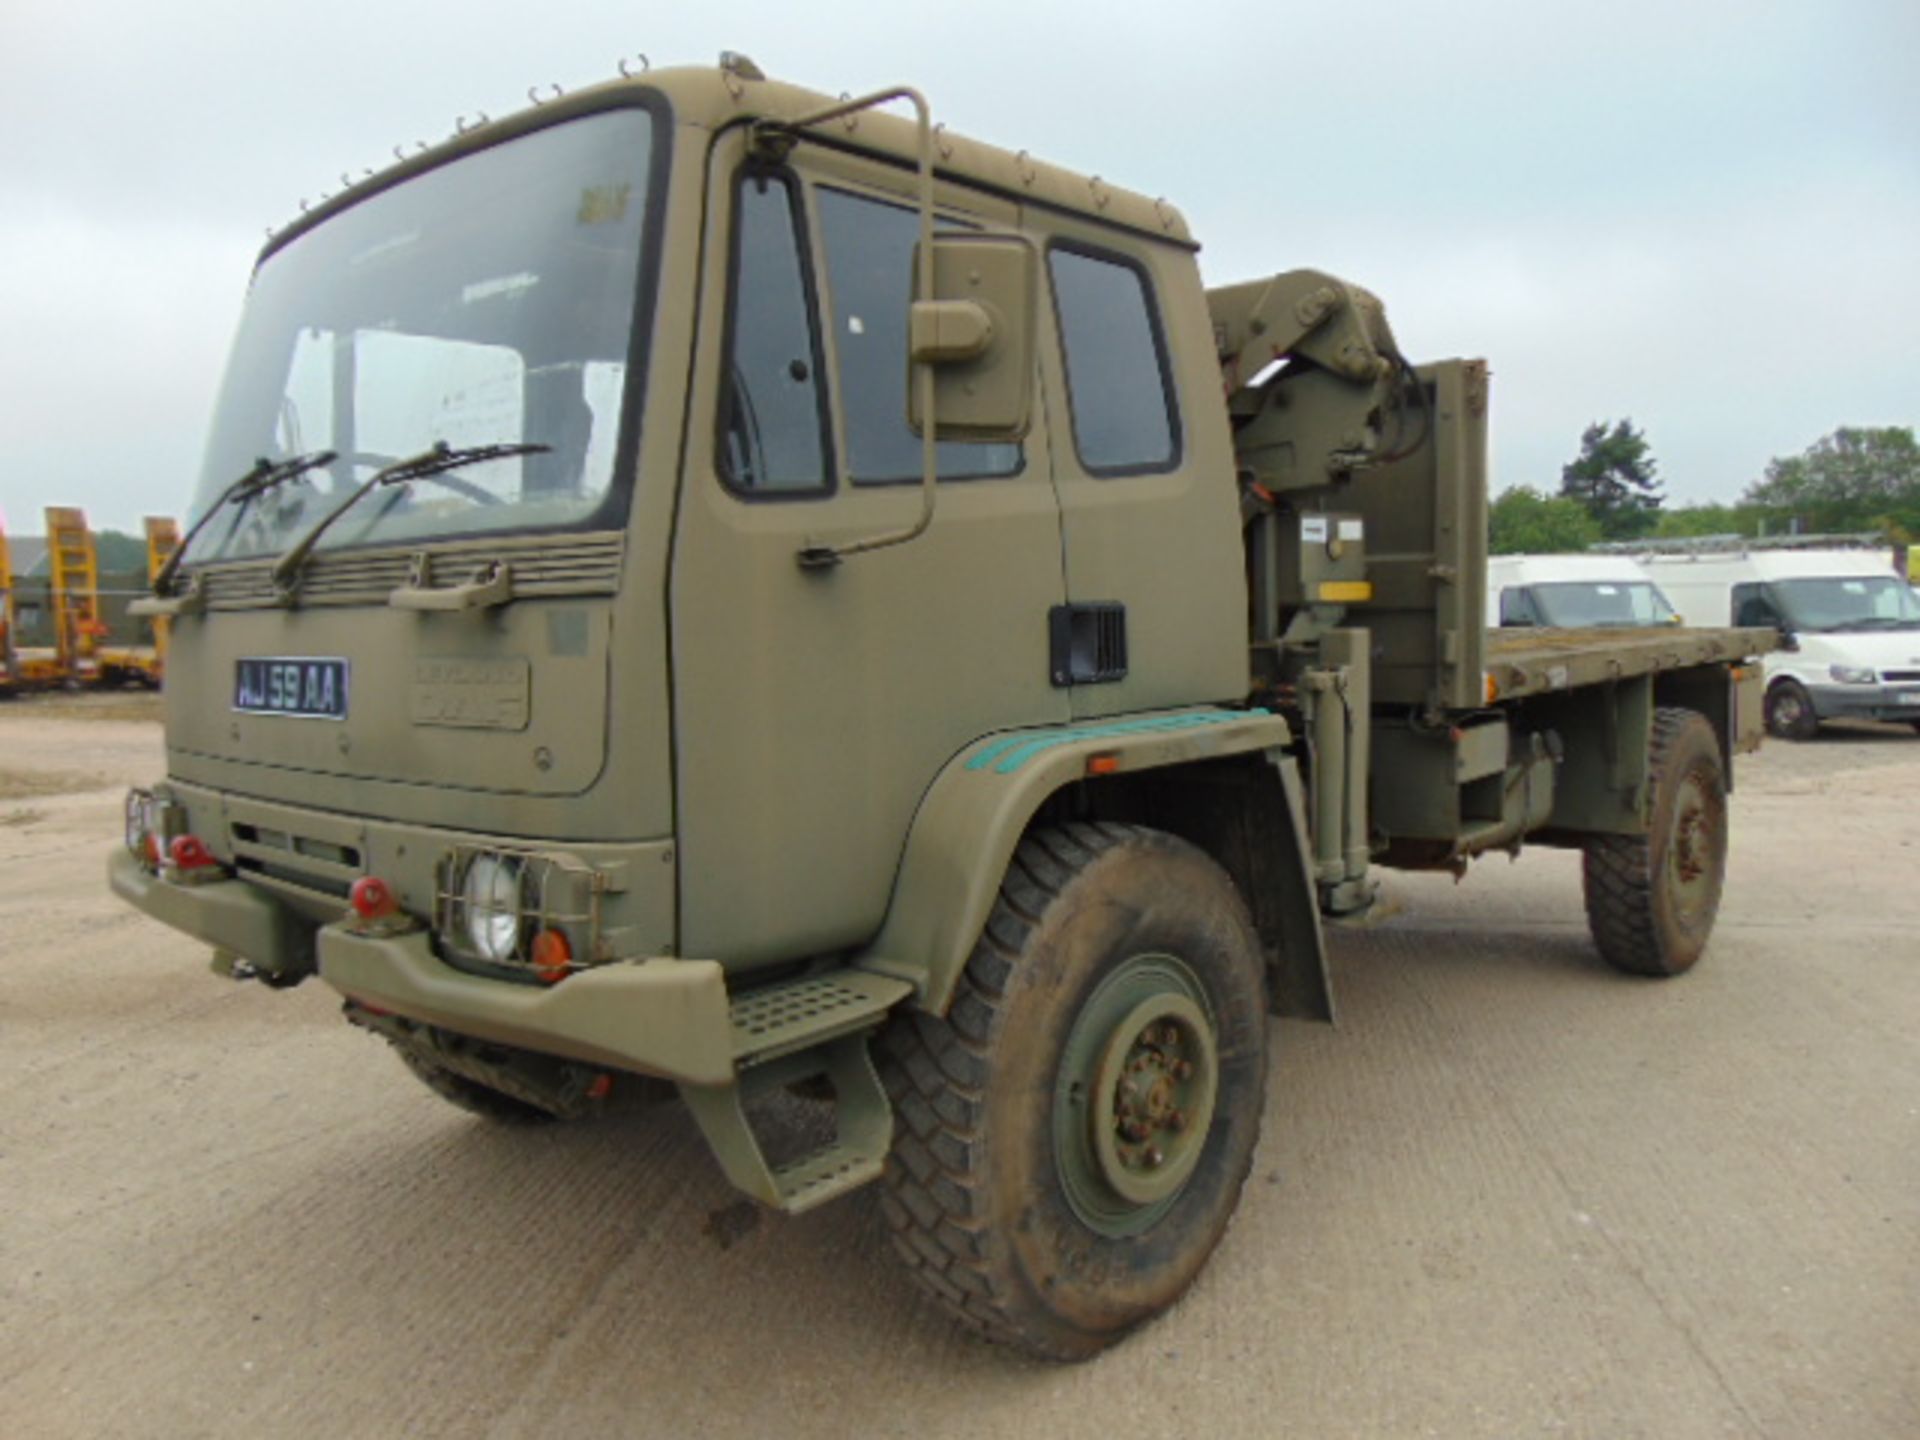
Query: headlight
{"points": [[490, 907], [1851, 674], [140, 827]]}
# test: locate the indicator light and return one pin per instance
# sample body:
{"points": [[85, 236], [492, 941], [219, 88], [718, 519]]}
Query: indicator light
{"points": [[552, 956]]}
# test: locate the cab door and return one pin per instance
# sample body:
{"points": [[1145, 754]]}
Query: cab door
{"points": [[813, 706], [1144, 470]]}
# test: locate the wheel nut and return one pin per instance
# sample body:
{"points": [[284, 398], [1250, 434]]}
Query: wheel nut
{"points": [[1154, 1157], [1177, 1121], [1183, 1070]]}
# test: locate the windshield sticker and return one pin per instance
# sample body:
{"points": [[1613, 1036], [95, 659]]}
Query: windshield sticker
{"points": [[500, 285], [1853, 587], [604, 204], [1607, 589]]}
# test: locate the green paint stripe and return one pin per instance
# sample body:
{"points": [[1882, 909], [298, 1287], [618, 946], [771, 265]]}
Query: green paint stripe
{"points": [[995, 749], [1010, 752]]}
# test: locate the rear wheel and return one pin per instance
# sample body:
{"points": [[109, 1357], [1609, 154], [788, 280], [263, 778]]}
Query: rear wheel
{"points": [[1652, 898], [1789, 711], [1072, 1137]]}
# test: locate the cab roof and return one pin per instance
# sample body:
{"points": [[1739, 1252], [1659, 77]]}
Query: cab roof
{"points": [[715, 97]]}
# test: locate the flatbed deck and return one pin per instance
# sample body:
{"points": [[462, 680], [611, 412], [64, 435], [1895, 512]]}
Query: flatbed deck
{"points": [[1521, 662]]}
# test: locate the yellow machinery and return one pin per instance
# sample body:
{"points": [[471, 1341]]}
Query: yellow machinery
{"points": [[8, 678], [82, 651], [163, 538], [146, 664], [37, 666], [75, 572]]}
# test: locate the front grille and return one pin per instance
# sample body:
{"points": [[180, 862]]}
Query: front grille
{"points": [[301, 863], [1895, 676], [543, 566]]}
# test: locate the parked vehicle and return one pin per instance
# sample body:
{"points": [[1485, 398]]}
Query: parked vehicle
{"points": [[1849, 625], [742, 586], [1569, 592]]}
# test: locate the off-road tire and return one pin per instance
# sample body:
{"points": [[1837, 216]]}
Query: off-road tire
{"points": [[1651, 899], [1789, 711], [987, 1188], [471, 1095]]}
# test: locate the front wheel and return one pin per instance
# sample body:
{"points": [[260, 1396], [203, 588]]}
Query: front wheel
{"points": [[1652, 898], [1072, 1137], [1789, 711]]}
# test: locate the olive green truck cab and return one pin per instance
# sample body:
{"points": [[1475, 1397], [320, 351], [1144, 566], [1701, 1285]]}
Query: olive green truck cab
{"points": [[702, 583]]}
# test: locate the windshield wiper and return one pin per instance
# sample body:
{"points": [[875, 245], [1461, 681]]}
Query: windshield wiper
{"points": [[438, 460], [264, 475]]}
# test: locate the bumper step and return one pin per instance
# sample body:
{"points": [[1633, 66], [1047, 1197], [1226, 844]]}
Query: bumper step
{"points": [[781, 1019], [804, 1030]]}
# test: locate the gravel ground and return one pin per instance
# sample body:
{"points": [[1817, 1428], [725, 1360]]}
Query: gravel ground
{"points": [[1510, 1194]]}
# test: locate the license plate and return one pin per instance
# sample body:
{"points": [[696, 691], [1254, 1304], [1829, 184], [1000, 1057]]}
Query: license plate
{"points": [[1910, 697], [298, 685]]}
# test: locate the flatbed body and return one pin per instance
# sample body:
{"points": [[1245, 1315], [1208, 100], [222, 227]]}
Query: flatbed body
{"points": [[1533, 661]]}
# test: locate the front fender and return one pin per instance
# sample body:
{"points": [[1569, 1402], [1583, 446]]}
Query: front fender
{"points": [[978, 807]]}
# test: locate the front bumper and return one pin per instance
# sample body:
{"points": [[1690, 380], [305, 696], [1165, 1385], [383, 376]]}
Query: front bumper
{"points": [[664, 1017], [227, 914], [1866, 702]]}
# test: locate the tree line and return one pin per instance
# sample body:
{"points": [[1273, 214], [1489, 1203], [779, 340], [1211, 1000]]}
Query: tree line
{"points": [[1857, 480]]}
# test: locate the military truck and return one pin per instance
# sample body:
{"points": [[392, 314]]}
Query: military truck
{"points": [[699, 582]]}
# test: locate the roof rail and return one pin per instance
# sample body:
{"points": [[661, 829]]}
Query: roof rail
{"points": [[1740, 544]]}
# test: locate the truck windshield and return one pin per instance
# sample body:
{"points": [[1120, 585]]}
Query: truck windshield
{"points": [[1573, 605], [1849, 602], [489, 301]]}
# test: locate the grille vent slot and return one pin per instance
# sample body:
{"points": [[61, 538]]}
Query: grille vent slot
{"points": [[542, 566], [1087, 643]]}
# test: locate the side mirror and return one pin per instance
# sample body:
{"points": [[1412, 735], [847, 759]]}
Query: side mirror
{"points": [[977, 332]]}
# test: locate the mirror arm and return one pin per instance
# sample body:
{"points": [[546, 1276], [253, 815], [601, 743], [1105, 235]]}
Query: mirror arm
{"points": [[825, 557]]}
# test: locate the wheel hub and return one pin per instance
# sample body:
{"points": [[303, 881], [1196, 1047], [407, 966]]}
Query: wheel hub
{"points": [[1156, 1087], [1135, 1099], [1691, 848]]}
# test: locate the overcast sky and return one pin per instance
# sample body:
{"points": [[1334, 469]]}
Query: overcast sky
{"points": [[1702, 215]]}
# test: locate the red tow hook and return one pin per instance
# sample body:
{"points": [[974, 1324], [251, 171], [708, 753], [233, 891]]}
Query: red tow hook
{"points": [[189, 862], [372, 898], [189, 852]]}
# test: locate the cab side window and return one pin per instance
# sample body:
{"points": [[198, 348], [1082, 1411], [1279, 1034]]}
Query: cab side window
{"points": [[1118, 387], [1752, 606], [773, 430], [869, 246], [1516, 606]]}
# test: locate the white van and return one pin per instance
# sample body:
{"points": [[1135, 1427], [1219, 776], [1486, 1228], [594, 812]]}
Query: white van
{"points": [[1851, 626], [1570, 592]]}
